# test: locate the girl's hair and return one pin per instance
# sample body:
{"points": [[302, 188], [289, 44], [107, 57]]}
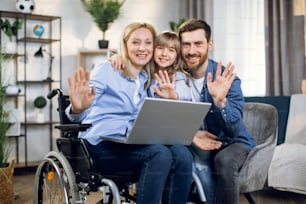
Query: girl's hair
{"points": [[170, 39], [123, 48]]}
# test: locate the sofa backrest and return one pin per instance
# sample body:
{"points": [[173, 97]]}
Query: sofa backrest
{"points": [[282, 104]]}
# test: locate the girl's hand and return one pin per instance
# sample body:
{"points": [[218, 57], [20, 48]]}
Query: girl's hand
{"points": [[166, 88]]}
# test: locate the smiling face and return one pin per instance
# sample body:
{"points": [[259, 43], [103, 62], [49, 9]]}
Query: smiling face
{"points": [[195, 48], [139, 47], [166, 52], [164, 56]]}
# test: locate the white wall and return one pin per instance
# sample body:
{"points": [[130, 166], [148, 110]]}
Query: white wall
{"points": [[238, 33]]}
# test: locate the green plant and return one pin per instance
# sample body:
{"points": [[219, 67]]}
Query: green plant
{"points": [[104, 12], [10, 29], [40, 102], [4, 125], [175, 25]]}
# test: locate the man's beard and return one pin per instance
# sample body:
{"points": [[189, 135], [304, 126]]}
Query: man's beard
{"points": [[198, 65]]}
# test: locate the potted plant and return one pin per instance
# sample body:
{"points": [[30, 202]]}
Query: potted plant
{"points": [[104, 12], [6, 169], [40, 102], [175, 25], [10, 30]]}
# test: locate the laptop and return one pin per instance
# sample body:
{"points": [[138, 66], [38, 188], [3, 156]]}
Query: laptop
{"points": [[165, 121]]}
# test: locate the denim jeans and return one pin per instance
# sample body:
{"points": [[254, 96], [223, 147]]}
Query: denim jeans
{"points": [[164, 172], [204, 169]]}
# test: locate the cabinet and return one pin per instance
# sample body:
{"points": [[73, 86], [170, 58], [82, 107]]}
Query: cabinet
{"points": [[90, 58], [35, 68]]}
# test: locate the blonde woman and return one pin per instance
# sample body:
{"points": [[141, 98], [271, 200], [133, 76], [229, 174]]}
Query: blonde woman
{"points": [[110, 101]]}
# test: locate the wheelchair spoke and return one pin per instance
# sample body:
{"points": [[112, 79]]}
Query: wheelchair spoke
{"points": [[54, 182], [52, 188]]}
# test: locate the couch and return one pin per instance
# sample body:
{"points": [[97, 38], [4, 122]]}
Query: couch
{"points": [[287, 171]]}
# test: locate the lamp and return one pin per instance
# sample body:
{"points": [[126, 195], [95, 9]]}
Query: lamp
{"points": [[40, 53]]}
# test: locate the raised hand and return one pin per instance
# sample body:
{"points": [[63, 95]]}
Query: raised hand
{"points": [[219, 88], [166, 88], [81, 96], [206, 141]]}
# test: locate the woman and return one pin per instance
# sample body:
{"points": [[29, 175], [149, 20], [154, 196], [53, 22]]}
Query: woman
{"points": [[110, 101]]}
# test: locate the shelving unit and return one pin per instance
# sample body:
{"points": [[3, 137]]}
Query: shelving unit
{"points": [[89, 58], [32, 76]]}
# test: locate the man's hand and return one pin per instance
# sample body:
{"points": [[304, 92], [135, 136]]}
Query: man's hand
{"points": [[219, 88], [117, 62], [206, 141], [166, 88], [80, 94]]}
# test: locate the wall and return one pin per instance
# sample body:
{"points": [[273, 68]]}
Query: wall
{"points": [[238, 33]]}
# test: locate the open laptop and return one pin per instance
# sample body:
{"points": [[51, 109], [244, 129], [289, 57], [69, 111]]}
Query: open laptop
{"points": [[165, 121]]}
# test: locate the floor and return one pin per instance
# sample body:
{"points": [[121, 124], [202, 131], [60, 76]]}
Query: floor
{"points": [[23, 183]]}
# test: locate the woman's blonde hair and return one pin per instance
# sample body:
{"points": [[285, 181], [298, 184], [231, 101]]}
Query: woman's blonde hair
{"points": [[123, 47]]}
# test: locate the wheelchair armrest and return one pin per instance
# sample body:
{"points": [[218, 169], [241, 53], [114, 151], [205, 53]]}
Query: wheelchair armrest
{"points": [[73, 127]]}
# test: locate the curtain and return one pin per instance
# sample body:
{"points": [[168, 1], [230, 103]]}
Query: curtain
{"points": [[201, 9], [285, 48]]}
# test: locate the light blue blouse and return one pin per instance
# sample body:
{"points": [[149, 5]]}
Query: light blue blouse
{"points": [[113, 110]]}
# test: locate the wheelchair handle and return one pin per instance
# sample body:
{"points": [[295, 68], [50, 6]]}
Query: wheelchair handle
{"points": [[54, 92]]}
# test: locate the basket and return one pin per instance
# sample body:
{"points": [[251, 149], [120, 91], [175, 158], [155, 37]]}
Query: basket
{"points": [[6, 183]]}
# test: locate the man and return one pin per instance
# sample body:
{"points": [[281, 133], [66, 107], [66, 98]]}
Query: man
{"points": [[223, 131]]}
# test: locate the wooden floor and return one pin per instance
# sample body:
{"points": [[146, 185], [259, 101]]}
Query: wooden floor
{"points": [[23, 183]]}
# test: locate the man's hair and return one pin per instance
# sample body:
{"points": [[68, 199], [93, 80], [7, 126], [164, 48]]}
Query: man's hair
{"points": [[195, 24]]}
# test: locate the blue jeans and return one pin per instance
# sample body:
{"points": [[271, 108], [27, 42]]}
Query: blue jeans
{"points": [[164, 172], [204, 169]]}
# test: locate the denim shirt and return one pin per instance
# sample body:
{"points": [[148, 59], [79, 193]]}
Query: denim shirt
{"points": [[182, 87], [226, 123], [113, 110]]}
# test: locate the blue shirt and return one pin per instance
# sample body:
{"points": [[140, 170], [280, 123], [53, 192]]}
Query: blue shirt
{"points": [[113, 110], [226, 123]]}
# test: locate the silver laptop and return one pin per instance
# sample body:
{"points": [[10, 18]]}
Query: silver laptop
{"points": [[163, 121]]}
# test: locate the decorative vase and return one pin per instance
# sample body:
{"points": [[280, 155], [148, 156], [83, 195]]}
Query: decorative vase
{"points": [[103, 44], [40, 118], [6, 183]]}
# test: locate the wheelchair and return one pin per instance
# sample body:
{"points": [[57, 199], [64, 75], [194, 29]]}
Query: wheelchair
{"points": [[68, 175]]}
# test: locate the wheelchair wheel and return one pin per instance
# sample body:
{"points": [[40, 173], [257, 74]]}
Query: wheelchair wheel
{"points": [[55, 181]]}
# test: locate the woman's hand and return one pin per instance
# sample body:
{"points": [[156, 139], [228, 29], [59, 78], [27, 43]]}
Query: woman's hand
{"points": [[81, 96], [166, 88]]}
